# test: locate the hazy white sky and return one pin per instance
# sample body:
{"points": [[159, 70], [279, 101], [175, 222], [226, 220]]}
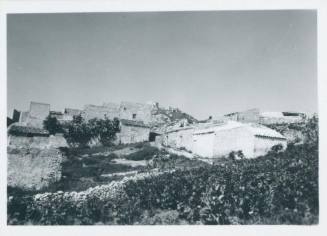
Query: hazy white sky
{"points": [[205, 63]]}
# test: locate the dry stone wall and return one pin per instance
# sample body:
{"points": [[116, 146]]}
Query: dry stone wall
{"points": [[34, 162]]}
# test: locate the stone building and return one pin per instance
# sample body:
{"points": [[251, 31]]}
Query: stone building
{"points": [[251, 115], [257, 116], [281, 117], [214, 140], [37, 113], [15, 117], [125, 110], [100, 112], [69, 114], [136, 111], [23, 117], [132, 131]]}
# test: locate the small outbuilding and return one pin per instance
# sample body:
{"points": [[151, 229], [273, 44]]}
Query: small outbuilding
{"points": [[215, 140], [252, 139]]}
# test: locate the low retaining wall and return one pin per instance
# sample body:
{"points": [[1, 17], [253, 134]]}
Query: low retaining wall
{"points": [[34, 162]]}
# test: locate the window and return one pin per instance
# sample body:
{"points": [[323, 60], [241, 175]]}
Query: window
{"points": [[134, 116]]}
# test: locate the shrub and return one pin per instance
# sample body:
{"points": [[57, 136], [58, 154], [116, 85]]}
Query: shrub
{"points": [[52, 125], [276, 148], [79, 132]]}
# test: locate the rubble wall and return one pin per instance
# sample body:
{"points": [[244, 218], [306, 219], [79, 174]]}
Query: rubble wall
{"points": [[34, 162]]}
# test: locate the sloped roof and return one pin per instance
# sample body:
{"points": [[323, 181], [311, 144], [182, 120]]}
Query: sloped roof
{"points": [[133, 123], [255, 129], [25, 130], [260, 130]]}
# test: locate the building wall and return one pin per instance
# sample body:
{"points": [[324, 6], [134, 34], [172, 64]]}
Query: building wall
{"points": [[23, 117], [34, 162], [203, 144], [36, 115], [141, 112], [235, 139], [133, 134], [251, 115], [100, 112], [69, 114], [16, 115], [262, 145], [281, 120], [39, 110], [182, 138]]}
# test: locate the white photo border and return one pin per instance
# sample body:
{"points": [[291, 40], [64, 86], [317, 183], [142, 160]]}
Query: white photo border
{"points": [[70, 6]]}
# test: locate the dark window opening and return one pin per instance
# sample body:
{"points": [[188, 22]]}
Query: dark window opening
{"points": [[152, 136], [134, 116]]}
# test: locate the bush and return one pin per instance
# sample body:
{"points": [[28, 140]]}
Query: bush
{"points": [[79, 132], [52, 125]]}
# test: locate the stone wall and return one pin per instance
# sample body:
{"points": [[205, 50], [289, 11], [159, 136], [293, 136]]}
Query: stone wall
{"points": [[136, 111], [125, 110], [280, 120], [23, 117], [133, 134], [33, 168], [34, 162], [39, 110], [100, 112]]}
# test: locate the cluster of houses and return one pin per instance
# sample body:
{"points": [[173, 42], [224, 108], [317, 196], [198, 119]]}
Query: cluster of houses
{"points": [[240, 131], [133, 121]]}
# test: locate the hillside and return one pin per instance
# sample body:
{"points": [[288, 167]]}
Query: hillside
{"points": [[279, 188]]}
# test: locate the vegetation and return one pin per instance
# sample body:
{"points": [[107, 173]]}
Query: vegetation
{"points": [[278, 188], [146, 153], [79, 132], [52, 125]]}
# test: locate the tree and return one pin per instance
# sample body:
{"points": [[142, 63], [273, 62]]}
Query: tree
{"points": [[107, 130], [311, 130], [52, 125], [78, 132]]}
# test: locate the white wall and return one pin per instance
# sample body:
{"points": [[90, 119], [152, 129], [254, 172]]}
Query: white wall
{"points": [[235, 139], [178, 139], [263, 145], [203, 144]]}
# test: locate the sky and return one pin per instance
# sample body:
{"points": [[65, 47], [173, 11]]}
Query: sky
{"points": [[205, 63]]}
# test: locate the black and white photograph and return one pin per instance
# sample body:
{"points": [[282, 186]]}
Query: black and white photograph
{"points": [[162, 118]]}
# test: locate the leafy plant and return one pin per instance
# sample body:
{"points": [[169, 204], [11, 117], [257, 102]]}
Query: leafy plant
{"points": [[52, 125]]}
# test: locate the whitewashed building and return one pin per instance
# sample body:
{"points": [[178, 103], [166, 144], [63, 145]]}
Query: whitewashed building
{"points": [[214, 140]]}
